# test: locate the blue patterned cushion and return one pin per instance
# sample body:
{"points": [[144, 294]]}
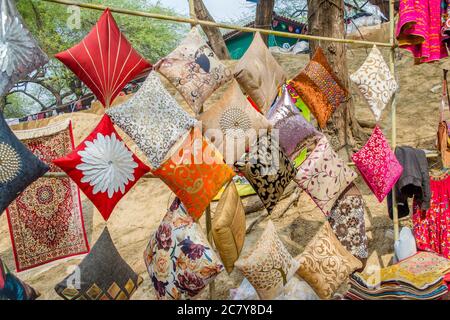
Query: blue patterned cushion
{"points": [[12, 288]]}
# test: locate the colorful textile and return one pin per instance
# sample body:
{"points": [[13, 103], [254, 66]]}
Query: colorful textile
{"points": [[46, 221], [12, 288]]}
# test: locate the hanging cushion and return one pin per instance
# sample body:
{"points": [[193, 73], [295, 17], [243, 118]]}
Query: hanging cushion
{"points": [[325, 264], [102, 275], [378, 165], [269, 266], [228, 226], [259, 74], [104, 60], [153, 119], [179, 259], [320, 88], [103, 167], [324, 176], [19, 52], [194, 69], [12, 288], [195, 172], [232, 124]]}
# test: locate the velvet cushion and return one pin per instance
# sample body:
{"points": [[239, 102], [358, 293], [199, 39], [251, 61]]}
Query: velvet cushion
{"points": [[12, 288]]}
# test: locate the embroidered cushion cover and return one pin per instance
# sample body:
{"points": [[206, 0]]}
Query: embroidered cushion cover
{"points": [[104, 60], [18, 166], [325, 264], [270, 266], [259, 74], [153, 119], [12, 288], [378, 165], [375, 81], [179, 259], [19, 53], [228, 226], [324, 176], [320, 88], [194, 69], [102, 275], [103, 167]]}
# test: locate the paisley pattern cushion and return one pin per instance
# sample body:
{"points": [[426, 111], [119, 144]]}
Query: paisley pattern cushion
{"points": [[12, 288], [153, 119], [194, 69]]}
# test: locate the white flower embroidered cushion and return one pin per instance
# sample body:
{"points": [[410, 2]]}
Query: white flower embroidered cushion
{"points": [[376, 82], [153, 119], [103, 167]]}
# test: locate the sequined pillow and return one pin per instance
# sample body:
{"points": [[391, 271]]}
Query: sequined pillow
{"points": [[259, 74], [320, 88], [378, 165], [153, 119], [324, 176], [179, 259], [194, 69], [325, 264], [102, 275], [12, 288], [269, 267], [19, 51]]}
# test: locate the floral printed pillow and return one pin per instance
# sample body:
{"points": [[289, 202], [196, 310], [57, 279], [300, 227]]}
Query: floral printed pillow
{"points": [[378, 165], [103, 167], [324, 176], [179, 259]]}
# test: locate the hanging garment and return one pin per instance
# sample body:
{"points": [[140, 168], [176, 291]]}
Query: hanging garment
{"points": [[432, 227], [443, 134]]}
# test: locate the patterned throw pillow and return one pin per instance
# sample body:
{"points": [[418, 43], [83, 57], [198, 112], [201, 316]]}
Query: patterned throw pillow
{"points": [[195, 172], [267, 169], [324, 176], [232, 124], [320, 88], [326, 264], [19, 52], [153, 119], [102, 275], [12, 288], [378, 165], [259, 74], [270, 266], [103, 167], [194, 69], [228, 226], [179, 259], [104, 60], [376, 82]]}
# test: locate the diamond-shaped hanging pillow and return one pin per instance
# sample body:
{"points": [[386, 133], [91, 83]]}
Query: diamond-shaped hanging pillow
{"points": [[103, 167], [375, 81], [104, 60]]}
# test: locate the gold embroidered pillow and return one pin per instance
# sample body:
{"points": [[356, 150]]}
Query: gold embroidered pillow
{"points": [[326, 264], [259, 74], [270, 266]]}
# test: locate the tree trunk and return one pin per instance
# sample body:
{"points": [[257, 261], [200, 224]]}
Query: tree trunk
{"points": [[214, 35], [264, 15]]}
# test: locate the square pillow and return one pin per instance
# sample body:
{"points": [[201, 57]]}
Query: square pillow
{"points": [[320, 88], [324, 176], [103, 167], [259, 74], [179, 259], [378, 165], [232, 124], [270, 266], [376, 82], [19, 167], [325, 264], [228, 226], [267, 169], [153, 119], [194, 69], [195, 172], [102, 275], [20, 53], [104, 60], [12, 288]]}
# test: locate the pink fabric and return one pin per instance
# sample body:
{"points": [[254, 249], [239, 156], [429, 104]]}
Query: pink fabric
{"points": [[378, 165]]}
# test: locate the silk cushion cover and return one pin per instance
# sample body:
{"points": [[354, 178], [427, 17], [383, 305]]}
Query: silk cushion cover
{"points": [[12, 288]]}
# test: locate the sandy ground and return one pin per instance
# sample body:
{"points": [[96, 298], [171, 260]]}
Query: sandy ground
{"points": [[137, 216]]}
